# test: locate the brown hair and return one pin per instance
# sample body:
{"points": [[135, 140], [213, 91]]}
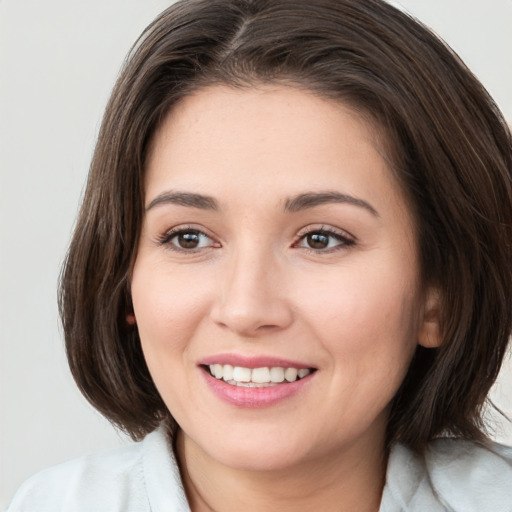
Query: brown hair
{"points": [[451, 151]]}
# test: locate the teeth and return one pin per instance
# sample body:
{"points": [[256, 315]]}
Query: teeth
{"points": [[290, 374], [302, 373], [277, 374], [257, 377], [260, 375], [241, 374], [228, 372], [218, 371]]}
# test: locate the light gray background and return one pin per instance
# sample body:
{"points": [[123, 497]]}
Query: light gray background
{"points": [[58, 62]]}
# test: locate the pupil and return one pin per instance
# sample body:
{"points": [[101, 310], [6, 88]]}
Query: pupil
{"points": [[188, 240], [318, 241]]}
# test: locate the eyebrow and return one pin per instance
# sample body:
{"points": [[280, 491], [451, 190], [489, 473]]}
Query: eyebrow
{"points": [[184, 199], [312, 199], [295, 204]]}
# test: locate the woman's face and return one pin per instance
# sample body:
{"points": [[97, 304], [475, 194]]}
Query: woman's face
{"points": [[276, 244]]}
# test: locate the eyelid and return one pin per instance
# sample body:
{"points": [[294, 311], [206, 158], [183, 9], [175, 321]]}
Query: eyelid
{"points": [[323, 228], [165, 238], [344, 237]]}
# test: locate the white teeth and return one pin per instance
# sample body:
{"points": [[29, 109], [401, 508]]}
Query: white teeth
{"points": [[241, 374], [228, 372], [218, 371], [302, 373], [251, 384], [290, 374], [257, 377], [260, 375], [277, 374]]}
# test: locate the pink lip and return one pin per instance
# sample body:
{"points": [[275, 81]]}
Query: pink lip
{"points": [[246, 397], [252, 361], [254, 397]]}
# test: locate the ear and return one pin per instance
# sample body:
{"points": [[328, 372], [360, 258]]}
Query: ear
{"points": [[429, 335]]}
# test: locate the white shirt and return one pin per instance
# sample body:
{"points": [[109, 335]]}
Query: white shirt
{"points": [[454, 475]]}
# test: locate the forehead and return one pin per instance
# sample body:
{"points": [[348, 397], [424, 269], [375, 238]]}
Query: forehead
{"points": [[271, 141]]}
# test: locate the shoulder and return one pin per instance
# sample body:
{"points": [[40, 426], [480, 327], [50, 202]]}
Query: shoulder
{"points": [[471, 476], [126, 479], [92, 482], [453, 475]]}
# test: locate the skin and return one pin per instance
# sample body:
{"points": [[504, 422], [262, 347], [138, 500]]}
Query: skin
{"points": [[354, 310]]}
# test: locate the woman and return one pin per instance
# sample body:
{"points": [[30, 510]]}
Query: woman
{"points": [[290, 274]]}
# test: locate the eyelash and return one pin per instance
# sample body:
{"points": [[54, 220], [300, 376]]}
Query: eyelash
{"points": [[343, 238], [167, 238]]}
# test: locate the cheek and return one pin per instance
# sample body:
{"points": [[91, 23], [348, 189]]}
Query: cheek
{"points": [[363, 298], [367, 318], [169, 307]]}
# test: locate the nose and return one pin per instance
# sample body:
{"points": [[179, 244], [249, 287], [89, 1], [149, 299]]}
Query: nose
{"points": [[251, 298]]}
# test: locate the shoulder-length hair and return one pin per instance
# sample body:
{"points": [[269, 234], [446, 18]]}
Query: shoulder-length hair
{"points": [[449, 148]]}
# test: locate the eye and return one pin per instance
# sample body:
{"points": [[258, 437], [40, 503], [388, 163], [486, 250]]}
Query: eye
{"points": [[186, 240], [324, 240]]}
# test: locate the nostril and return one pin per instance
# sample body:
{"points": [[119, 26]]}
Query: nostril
{"points": [[253, 321]]}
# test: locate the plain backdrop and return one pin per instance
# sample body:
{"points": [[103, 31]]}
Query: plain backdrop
{"points": [[58, 62]]}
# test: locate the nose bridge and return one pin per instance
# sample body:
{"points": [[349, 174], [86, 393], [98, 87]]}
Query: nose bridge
{"points": [[251, 296]]}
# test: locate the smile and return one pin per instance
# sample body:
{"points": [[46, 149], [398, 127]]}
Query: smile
{"points": [[255, 381], [256, 377]]}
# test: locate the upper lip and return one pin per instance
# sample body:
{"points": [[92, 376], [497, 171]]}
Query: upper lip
{"points": [[252, 361]]}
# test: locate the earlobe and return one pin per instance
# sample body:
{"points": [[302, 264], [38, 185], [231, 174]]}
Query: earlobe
{"points": [[429, 335]]}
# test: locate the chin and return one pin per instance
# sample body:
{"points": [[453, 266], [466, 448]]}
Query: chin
{"points": [[260, 458], [253, 452]]}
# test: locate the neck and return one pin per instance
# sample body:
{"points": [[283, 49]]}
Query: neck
{"points": [[348, 481]]}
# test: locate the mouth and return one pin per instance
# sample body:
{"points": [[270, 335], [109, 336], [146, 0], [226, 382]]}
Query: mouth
{"points": [[255, 381], [263, 377]]}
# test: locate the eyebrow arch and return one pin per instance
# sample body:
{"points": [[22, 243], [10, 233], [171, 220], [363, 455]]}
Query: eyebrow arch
{"points": [[184, 199], [312, 199]]}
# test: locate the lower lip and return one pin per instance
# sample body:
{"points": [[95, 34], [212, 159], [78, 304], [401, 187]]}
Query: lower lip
{"points": [[254, 397]]}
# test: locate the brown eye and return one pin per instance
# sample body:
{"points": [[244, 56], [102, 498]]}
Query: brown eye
{"points": [[325, 241], [317, 240], [189, 239]]}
